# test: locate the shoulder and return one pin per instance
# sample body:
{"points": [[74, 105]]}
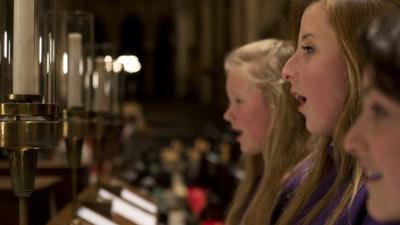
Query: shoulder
{"points": [[295, 177], [291, 182]]}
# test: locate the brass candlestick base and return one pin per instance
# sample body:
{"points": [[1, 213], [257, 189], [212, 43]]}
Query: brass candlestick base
{"points": [[100, 122], [23, 170], [26, 125], [76, 126], [108, 129], [113, 138]]}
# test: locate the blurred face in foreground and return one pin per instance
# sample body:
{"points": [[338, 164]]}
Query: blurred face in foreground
{"points": [[375, 141]]}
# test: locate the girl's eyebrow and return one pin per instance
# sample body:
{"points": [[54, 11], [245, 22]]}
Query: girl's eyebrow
{"points": [[307, 35], [367, 89]]}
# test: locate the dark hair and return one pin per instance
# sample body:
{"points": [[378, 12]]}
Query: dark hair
{"points": [[381, 41]]}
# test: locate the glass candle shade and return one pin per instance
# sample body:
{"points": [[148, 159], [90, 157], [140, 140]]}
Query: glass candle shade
{"points": [[27, 46], [75, 30]]}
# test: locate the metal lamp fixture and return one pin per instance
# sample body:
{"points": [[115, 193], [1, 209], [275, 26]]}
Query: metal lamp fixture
{"points": [[75, 66], [29, 114]]}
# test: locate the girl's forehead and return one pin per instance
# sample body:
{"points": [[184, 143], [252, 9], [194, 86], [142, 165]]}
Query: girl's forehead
{"points": [[315, 16], [238, 79], [315, 25]]}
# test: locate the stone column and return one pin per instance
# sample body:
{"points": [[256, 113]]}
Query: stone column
{"points": [[236, 23], [184, 37], [252, 20], [207, 49]]}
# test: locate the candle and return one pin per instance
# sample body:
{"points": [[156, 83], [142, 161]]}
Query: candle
{"points": [[101, 84], [24, 79], [75, 71]]}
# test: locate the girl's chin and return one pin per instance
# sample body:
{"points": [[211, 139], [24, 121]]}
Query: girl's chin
{"points": [[249, 150]]}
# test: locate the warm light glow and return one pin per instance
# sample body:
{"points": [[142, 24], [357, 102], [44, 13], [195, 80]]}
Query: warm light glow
{"points": [[132, 213], [95, 80], [108, 58], [108, 61], [106, 194], [48, 63], [127, 210], [138, 200], [65, 63], [87, 82], [130, 63], [93, 217], [5, 44], [117, 67], [40, 49], [89, 64], [51, 47], [81, 67]]}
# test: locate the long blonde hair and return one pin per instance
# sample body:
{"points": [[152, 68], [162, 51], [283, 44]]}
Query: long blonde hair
{"points": [[255, 198], [344, 16]]}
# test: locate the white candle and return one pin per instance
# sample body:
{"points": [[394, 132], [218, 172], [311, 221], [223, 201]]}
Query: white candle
{"points": [[101, 84], [24, 79], [75, 73]]}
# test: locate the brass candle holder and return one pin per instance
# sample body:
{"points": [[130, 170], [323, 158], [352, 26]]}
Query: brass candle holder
{"points": [[107, 130], [113, 138], [101, 127], [26, 126], [76, 127]]}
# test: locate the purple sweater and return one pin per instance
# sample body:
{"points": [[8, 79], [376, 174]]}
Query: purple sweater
{"points": [[356, 214]]}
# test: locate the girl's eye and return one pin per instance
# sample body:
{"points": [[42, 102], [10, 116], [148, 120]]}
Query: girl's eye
{"points": [[307, 49], [379, 111], [238, 100]]}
